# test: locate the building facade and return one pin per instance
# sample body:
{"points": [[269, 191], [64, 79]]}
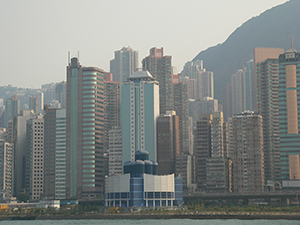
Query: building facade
{"points": [[139, 112], [34, 182], [12, 108], [124, 64], [141, 186], [289, 106], [267, 81], [115, 151], [160, 67], [246, 148], [6, 167], [167, 142], [202, 148], [85, 127]]}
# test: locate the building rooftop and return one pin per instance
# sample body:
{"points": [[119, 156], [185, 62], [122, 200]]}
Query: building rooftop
{"points": [[141, 75]]}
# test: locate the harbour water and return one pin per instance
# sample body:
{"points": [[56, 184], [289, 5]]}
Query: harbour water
{"points": [[152, 222]]}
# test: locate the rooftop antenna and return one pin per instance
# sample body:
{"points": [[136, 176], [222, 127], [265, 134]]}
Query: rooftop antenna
{"points": [[69, 57], [291, 41]]}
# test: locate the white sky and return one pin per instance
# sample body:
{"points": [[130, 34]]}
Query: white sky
{"points": [[36, 35]]}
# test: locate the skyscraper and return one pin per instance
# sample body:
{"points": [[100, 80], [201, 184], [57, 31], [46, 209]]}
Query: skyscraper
{"points": [[34, 103], [6, 166], [85, 124], [181, 109], [160, 67], [12, 108], [34, 181], [238, 92], [167, 142], [289, 104], [261, 54], [55, 151], [202, 148], [139, 112], [124, 64], [267, 81], [61, 94], [115, 151], [246, 147], [17, 135], [111, 107]]}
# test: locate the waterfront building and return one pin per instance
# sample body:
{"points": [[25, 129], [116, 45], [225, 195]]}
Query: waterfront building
{"points": [[34, 179], [202, 148], [246, 152], [139, 112], [289, 106], [17, 135], [267, 81], [115, 151], [54, 151], [141, 186], [85, 127], [6, 167]]}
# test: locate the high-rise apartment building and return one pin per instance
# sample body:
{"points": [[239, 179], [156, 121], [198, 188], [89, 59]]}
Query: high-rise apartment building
{"points": [[260, 55], [267, 81], [6, 167], [205, 83], [49, 92], [111, 107], [246, 148], [181, 109], [238, 92], [34, 182], [218, 165], [85, 127], [217, 145], [12, 108], [205, 106], [202, 148], [34, 103], [115, 152], [160, 67], [139, 112], [227, 102], [250, 89], [167, 142], [61, 94], [289, 106], [200, 80], [124, 64]]}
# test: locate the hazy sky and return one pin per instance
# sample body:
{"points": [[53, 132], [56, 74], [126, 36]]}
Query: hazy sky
{"points": [[36, 35]]}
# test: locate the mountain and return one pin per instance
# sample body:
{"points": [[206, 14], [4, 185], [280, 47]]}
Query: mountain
{"points": [[271, 29]]}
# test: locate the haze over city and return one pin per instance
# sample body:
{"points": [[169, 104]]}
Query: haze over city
{"points": [[37, 35]]}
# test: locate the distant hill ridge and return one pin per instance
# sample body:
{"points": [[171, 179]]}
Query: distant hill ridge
{"points": [[271, 29]]}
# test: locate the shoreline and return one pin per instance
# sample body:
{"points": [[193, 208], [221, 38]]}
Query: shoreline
{"points": [[157, 216]]}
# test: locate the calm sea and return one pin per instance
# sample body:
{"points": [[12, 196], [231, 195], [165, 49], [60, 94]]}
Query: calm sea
{"points": [[152, 222]]}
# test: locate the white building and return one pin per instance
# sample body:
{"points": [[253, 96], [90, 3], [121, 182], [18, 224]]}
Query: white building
{"points": [[139, 112]]}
